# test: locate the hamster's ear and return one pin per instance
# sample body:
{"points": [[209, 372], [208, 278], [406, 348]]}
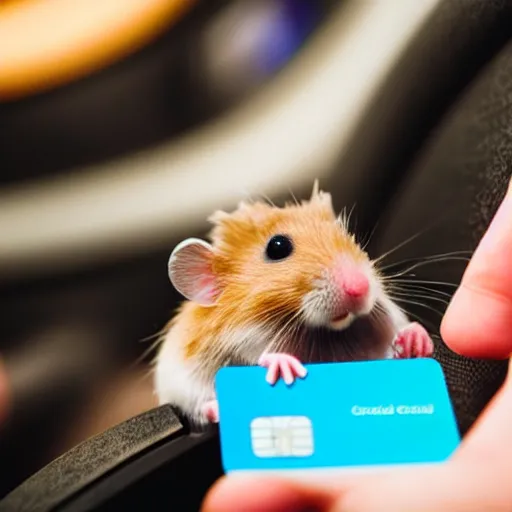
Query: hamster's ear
{"points": [[316, 190], [190, 271], [322, 200]]}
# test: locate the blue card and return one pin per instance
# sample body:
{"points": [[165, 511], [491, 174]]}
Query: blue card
{"points": [[341, 415]]}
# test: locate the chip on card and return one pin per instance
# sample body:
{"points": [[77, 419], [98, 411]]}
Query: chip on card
{"points": [[341, 415]]}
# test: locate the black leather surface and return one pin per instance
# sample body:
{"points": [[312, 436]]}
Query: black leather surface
{"points": [[91, 460], [175, 476], [451, 195]]}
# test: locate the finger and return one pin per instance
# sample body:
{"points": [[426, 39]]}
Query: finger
{"points": [[264, 360], [414, 344], [298, 368], [273, 372], [286, 372], [477, 477], [490, 439], [292, 359], [478, 321], [448, 488], [234, 494]]}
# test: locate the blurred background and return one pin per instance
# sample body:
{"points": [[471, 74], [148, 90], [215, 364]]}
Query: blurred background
{"points": [[123, 125]]}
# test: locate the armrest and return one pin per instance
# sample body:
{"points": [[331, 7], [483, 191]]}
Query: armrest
{"points": [[102, 468]]}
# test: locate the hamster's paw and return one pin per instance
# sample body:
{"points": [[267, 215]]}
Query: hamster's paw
{"points": [[282, 365], [413, 341], [210, 410]]}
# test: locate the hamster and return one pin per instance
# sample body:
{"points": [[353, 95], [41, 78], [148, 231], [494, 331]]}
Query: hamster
{"points": [[276, 287]]}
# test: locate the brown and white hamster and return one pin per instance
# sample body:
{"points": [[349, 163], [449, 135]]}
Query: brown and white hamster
{"points": [[276, 287]]}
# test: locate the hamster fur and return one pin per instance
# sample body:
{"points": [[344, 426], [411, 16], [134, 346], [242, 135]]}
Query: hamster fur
{"points": [[324, 301]]}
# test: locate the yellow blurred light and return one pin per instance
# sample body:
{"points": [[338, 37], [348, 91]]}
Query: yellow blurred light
{"points": [[47, 43]]}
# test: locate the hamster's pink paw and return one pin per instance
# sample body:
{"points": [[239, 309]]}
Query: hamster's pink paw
{"points": [[413, 341], [210, 410], [282, 365]]}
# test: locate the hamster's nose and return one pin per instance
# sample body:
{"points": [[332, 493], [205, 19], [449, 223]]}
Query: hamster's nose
{"points": [[356, 285], [352, 282]]}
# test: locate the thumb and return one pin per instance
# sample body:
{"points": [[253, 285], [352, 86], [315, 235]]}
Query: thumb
{"points": [[477, 478], [490, 438], [478, 321]]}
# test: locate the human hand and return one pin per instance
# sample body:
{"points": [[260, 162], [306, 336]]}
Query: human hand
{"points": [[477, 323]]}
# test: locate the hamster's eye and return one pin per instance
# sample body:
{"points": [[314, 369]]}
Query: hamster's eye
{"points": [[279, 247]]}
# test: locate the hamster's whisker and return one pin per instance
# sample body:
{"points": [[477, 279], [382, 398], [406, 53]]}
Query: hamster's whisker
{"points": [[277, 340], [270, 202], [423, 263], [379, 307], [159, 338], [312, 347], [366, 240], [415, 303], [152, 336], [253, 197], [423, 281], [427, 323], [417, 265], [400, 245], [420, 296], [379, 314], [410, 287], [430, 226], [344, 219], [294, 335], [458, 252], [148, 374], [296, 326], [457, 255], [350, 213], [153, 347], [333, 349], [263, 196], [266, 316], [275, 317], [433, 328], [349, 347], [295, 200], [294, 323], [436, 259]]}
